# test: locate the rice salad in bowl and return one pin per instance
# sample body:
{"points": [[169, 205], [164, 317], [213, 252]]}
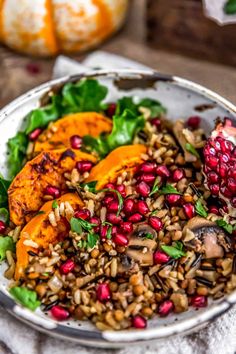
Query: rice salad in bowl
{"points": [[115, 214]]}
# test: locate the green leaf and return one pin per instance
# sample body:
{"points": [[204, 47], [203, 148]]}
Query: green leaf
{"points": [[200, 209], [40, 212], [155, 187], [4, 215], [6, 244], [82, 244], [17, 147], [155, 107], [126, 103], [149, 236], [25, 297], [190, 148], [230, 7], [92, 240], [54, 204], [175, 251], [119, 196], [227, 227], [90, 186], [76, 226], [4, 185], [168, 189]]}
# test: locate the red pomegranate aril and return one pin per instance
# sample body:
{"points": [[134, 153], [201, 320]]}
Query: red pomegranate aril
{"points": [[155, 122], [225, 191], [163, 171], [126, 227], [136, 217], [103, 232], [111, 110], [147, 167], [233, 202], [178, 174], [226, 145], [110, 186], [120, 239], [222, 169], [59, 313], [95, 220], [103, 292], [113, 206], [199, 301], [232, 173], [84, 166], [35, 134], [147, 177], [165, 308], [213, 209], [67, 267], [231, 184], [128, 206], [160, 257], [114, 229], [76, 142], [194, 122], [113, 218], [142, 207], [189, 210], [107, 199], [82, 214], [53, 191], [173, 199], [211, 161], [143, 189], [215, 189], [3, 227], [121, 189], [139, 322], [155, 223], [33, 68], [212, 177]]}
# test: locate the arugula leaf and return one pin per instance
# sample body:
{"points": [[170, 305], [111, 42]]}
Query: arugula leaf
{"points": [[119, 196], [230, 7], [17, 147], [125, 127], [25, 297], [92, 240], [227, 227], [6, 244], [168, 189], [54, 204], [4, 185], [155, 187], [4, 215], [190, 148], [155, 107], [91, 186], [200, 209], [175, 251], [149, 236]]}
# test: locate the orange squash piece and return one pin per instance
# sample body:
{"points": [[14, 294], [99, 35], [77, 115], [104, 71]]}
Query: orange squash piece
{"points": [[124, 158], [26, 192], [42, 232], [59, 133]]}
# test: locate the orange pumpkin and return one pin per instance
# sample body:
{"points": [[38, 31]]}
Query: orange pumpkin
{"points": [[46, 27]]}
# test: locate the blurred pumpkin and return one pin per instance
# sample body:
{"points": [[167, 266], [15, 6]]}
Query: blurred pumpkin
{"points": [[47, 27]]}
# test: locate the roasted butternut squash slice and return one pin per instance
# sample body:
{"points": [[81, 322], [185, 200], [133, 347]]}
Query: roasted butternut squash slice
{"points": [[26, 192], [124, 158], [59, 133], [40, 231]]}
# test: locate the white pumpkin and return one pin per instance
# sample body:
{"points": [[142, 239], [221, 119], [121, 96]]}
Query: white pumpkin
{"points": [[47, 27]]}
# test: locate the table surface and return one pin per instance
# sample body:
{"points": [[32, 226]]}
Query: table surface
{"points": [[130, 42]]}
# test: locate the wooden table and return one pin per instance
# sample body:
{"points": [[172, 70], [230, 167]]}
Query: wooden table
{"points": [[130, 42]]}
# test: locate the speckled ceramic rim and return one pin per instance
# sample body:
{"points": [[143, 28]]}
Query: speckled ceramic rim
{"points": [[117, 339]]}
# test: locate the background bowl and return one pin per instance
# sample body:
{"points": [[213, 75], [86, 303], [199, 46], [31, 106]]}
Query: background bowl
{"points": [[182, 99]]}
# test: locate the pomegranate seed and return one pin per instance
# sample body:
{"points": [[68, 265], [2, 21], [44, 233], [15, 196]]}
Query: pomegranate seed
{"points": [[35, 134], [231, 184], [225, 191], [142, 207], [113, 206], [165, 308], [233, 203], [147, 177], [122, 190], [3, 227], [111, 110], [209, 150], [33, 68], [156, 122], [59, 313], [143, 189], [126, 227], [95, 220], [215, 189], [193, 122], [156, 223], [67, 267], [128, 206], [103, 292], [139, 322], [226, 145], [84, 166], [212, 177], [189, 210], [110, 186], [103, 232], [232, 173], [199, 301], [163, 171], [160, 257], [173, 199], [178, 174], [120, 239], [113, 218], [76, 142], [53, 191], [114, 230], [82, 214], [107, 199], [211, 161], [147, 167], [214, 210], [136, 217]]}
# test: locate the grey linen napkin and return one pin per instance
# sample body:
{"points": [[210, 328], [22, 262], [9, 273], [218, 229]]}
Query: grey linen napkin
{"points": [[16, 338]]}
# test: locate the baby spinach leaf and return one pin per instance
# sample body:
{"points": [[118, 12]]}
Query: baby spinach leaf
{"points": [[230, 7], [17, 147], [4, 215], [6, 244], [78, 225], [25, 297], [155, 107], [91, 186], [126, 103]]}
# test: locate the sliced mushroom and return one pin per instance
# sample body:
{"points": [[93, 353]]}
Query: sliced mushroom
{"points": [[127, 265], [178, 129], [206, 237]]}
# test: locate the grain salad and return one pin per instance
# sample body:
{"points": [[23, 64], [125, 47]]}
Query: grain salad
{"points": [[114, 214]]}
